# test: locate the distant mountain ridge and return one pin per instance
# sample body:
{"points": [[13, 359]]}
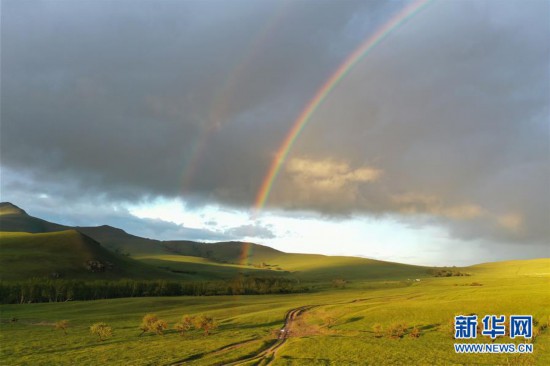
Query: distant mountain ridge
{"points": [[15, 219]]}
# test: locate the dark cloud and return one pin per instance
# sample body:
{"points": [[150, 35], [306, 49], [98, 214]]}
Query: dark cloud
{"points": [[126, 95], [454, 111], [59, 206], [445, 121]]}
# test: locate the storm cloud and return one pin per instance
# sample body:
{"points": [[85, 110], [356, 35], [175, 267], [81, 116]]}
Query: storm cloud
{"points": [[445, 121]]}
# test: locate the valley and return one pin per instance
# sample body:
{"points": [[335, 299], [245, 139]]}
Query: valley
{"points": [[351, 311]]}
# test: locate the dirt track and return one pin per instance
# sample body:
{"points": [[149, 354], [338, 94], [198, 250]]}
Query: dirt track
{"points": [[266, 356]]}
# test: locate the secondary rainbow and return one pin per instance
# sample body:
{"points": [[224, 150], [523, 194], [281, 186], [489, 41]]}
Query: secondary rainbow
{"points": [[280, 157], [219, 107]]}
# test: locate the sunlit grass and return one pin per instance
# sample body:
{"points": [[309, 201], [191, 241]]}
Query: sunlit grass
{"points": [[247, 322]]}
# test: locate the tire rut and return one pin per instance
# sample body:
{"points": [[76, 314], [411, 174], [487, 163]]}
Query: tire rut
{"points": [[266, 356]]}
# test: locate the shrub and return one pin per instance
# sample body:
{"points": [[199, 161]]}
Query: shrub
{"points": [[102, 330], [415, 333], [159, 327], [151, 323], [185, 325], [446, 272], [147, 322], [62, 325], [205, 323], [396, 330]]}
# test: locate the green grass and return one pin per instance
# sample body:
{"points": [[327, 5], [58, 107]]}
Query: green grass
{"points": [[430, 306], [119, 240], [310, 268], [25, 255], [13, 218], [248, 322], [198, 268], [58, 248], [316, 267], [241, 319], [7, 208]]}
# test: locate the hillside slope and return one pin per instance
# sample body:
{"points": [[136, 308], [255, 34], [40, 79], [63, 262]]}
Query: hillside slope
{"points": [[14, 219], [120, 241], [230, 252], [194, 260], [539, 267], [65, 254]]}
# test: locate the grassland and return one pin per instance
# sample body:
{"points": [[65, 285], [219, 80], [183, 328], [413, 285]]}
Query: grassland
{"points": [[310, 268], [25, 255], [329, 325], [199, 268], [338, 330], [65, 253]]}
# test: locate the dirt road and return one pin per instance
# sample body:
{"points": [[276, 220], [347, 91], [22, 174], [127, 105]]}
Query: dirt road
{"points": [[266, 356]]}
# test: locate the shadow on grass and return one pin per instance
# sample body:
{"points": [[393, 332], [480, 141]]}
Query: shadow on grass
{"points": [[429, 327], [251, 326], [90, 344], [251, 356], [354, 319], [217, 350], [306, 360]]}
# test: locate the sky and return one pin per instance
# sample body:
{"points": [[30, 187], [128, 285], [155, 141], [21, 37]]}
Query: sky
{"points": [[164, 118]]}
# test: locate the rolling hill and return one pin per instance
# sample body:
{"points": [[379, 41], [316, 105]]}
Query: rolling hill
{"points": [[14, 219], [151, 258], [66, 254]]}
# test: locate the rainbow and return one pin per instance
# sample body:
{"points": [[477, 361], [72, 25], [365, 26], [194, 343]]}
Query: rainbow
{"points": [[219, 106], [282, 153]]}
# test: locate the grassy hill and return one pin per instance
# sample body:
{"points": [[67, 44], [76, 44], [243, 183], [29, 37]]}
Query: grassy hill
{"points": [[120, 241], [539, 267], [66, 254], [230, 252], [14, 219], [219, 260], [322, 268], [202, 261]]}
